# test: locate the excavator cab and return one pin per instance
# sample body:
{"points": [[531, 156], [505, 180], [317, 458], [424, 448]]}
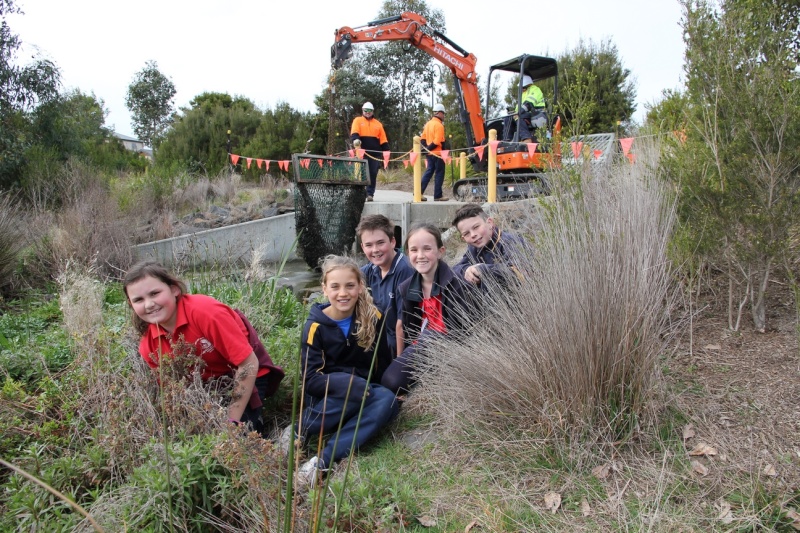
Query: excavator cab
{"points": [[513, 156], [521, 166]]}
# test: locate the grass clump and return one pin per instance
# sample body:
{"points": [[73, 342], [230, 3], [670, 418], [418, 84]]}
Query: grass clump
{"points": [[11, 240], [570, 352]]}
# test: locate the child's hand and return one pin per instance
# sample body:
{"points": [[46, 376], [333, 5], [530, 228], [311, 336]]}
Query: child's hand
{"points": [[473, 274]]}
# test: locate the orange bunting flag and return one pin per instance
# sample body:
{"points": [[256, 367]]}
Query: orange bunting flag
{"points": [[249, 161], [405, 163], [259, 162], [360, 153], [321, 163], [306, 163], [284, 165], [266, 164], [386, 155], [532, 149], [631, 157], [413, 157], [576, 149], [626, 145], [493, 146], [597, 154], [330, 162], [352, 153], [446, 156], [479, 151], [234, 159]]}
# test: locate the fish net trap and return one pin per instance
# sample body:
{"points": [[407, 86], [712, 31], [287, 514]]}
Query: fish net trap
{"points": [[329, 195]]}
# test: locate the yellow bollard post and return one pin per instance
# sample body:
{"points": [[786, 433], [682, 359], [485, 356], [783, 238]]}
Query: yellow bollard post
{"points": [[417, 170], [462, 166], [491, 181]]}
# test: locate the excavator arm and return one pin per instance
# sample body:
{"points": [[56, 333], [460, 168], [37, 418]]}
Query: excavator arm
{"points": [[414, 28]]}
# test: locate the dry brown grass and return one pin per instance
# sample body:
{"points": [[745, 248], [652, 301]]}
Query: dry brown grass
{"points": [[82, 225], [11, 238], [572, 350]]}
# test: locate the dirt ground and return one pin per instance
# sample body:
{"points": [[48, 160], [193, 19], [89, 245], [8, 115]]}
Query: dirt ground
{"points": [[741, 390]]}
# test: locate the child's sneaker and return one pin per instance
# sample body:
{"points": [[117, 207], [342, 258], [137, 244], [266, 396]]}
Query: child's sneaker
{"points": [[309, 473]]}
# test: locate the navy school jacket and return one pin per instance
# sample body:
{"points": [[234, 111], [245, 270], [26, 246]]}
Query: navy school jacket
{"points": [[329, 359], [456, 299]]}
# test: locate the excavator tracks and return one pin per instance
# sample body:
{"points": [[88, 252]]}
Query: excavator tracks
{"points": [[509, 187]]}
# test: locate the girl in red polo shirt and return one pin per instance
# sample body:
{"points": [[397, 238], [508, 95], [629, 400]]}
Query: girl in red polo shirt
{"points": [[432, 301], [163, 312]]}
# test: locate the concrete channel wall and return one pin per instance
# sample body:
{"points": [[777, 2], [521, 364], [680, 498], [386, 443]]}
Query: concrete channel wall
{"points": [[273, 238]]}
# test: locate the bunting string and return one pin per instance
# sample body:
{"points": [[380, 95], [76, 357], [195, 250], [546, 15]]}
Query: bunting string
{"points": [[409, 157]]}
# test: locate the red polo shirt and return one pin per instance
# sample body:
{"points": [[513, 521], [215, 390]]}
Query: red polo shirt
{"points": [[432, 312], [217, 333]]}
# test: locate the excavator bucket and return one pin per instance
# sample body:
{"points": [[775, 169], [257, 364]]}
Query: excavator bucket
{"points": [[341, 51]]}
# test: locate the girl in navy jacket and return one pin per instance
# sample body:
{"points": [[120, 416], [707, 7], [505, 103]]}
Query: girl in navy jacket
{"points": [[344, 354], [433, 301]]}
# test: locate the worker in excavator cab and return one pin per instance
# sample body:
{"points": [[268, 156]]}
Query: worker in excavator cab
{"points": [[533, 114]]}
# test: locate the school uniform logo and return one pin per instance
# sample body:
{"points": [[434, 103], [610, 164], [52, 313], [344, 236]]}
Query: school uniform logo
{"points": [[204, 345]]}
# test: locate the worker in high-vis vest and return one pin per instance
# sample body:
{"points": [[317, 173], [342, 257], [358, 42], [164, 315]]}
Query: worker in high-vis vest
{"points": [[533, 114], [367, 133], [433, 140]]}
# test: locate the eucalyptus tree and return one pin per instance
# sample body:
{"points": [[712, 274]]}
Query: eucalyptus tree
{"points": [[406, 74], [150, 100], [22, 88]]}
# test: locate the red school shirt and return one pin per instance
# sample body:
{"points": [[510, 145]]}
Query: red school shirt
{"points": [[217, 333], [432, 312]]}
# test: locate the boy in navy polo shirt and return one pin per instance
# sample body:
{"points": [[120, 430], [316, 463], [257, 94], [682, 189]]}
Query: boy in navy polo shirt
{"points": [[388, 267]]}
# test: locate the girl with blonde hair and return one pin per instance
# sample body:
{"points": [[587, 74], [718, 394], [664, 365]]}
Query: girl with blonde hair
{"points": [[344, 354]]}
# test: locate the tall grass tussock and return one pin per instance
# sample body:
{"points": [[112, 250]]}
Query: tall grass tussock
{"points": [[11, 239], [570, 351]]}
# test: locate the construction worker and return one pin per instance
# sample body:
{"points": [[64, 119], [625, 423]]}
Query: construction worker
{"points": [[533, 114], [367, 132], [432, 141]]}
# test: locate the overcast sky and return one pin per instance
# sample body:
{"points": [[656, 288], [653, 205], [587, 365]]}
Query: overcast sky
{"points": [[271, 51]]}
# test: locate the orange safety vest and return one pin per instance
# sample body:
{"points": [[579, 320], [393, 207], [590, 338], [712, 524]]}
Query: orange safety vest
{"points": [[434, 133]]}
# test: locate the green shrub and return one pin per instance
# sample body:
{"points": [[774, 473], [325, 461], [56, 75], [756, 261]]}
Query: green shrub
{"points": [[184, 491], [32, 344]]}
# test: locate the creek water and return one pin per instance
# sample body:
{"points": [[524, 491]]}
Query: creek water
{"points": [[300, 278]]}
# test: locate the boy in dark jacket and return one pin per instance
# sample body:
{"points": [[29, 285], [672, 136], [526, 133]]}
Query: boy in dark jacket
{"points": [[489, 250]]}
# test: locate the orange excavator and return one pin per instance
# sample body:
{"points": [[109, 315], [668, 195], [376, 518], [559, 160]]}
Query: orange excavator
{"points": [[520, 172]]}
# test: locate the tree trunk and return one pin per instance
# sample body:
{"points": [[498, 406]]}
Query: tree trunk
{"points": [[759, 305]]}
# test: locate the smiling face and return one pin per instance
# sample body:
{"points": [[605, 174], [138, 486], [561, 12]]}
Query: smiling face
{"points": [[154, 301], [476, 231], [341, 286], [379, 248], [423, 252]]}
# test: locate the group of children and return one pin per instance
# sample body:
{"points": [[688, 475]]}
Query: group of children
{"points": [[359, 347]]}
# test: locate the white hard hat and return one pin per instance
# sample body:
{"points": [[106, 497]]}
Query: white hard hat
{"points": [[367, 106], [438, 108], [526, 80]]}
